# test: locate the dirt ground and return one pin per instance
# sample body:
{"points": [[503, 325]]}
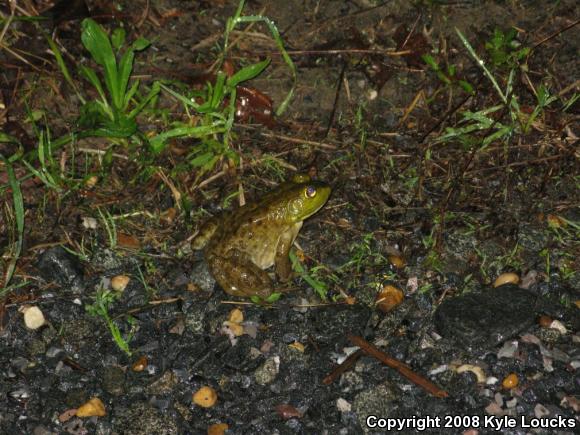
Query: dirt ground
{"points": [[448, 132]]}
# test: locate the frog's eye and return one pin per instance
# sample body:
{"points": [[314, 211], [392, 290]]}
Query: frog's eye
{"points": [[310, 192]]}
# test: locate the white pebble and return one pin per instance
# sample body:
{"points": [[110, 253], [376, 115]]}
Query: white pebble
{"points": [[33, 317], [342, 405]]}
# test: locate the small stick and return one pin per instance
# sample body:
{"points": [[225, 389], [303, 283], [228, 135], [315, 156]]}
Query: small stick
{"points": [[346, 364], [403, 369]]}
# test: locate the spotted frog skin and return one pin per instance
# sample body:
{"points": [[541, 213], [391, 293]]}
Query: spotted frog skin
{"points": [[240, 244]]}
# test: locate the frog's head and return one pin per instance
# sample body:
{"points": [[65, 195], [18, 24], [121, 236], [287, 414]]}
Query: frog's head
{"points": [[305, 199]]}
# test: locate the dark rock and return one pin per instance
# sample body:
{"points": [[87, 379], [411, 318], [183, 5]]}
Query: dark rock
{"points": [[140, 418], [375, 401], [201, 276], [164, 385], [488, 318], [58, 265], [114, 380]]}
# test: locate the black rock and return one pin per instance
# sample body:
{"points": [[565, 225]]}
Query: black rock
{"points": [[488, 318], [59, 266]]}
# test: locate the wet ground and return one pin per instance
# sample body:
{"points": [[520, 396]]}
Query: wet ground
{"points": [[441, 182]]}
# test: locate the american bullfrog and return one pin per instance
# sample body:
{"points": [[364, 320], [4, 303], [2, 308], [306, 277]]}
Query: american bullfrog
{"points": [[241, 244]]}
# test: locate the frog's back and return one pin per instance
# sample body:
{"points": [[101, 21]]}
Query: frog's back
{"points": [[254, 230]]}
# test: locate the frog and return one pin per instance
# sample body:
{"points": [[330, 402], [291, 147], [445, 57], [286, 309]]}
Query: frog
{"points": [[240, 245]]}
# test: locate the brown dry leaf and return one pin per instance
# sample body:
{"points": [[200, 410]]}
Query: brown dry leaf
{"points": [[128, 241], [169, 215]]}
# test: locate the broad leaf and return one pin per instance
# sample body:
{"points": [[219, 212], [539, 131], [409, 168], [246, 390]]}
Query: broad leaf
{"points": [[97, 43], [140, 44], [118, 38]]}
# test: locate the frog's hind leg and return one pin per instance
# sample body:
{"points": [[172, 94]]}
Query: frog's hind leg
{"points": [[240, 277], [204, 235]]}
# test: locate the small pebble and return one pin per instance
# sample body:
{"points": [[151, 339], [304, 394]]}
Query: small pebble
{"points": [[389, 298], [372, 95], [508, 349], [140, 364], [541, 411], [206, 397], [119, 282], [397, 261], [476, 370], [342, 405], [544, 321], [506, 278], [510, 381], [286, 411], [236, 329], [93, 408], [217, 429], [33, 317], [498, 397], [511, 403], [298, 346], [90, 223], [558, 326], [91, 181], [236, 316], [233, 324], [67, 415]]}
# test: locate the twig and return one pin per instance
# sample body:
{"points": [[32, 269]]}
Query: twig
{"points": [[174, 191], [324, 23], [346, 364], [144, 15], [522, 163], [252, 163], [291, 139], [386, 52], [403, 369], [553, 35], [102, 153], [336, 97]]}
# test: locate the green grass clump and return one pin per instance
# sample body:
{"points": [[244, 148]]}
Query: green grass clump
{"points": [[100, 308]]}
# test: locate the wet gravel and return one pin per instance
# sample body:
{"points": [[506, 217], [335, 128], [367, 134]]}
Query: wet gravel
{"points": [[182, 346]]}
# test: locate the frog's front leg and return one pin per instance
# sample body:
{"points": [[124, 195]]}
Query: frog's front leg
{"points": [[282, 261], [238, 276]]}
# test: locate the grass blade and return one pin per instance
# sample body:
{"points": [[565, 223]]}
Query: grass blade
{"points": [[481, 64], [18, 202]]}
